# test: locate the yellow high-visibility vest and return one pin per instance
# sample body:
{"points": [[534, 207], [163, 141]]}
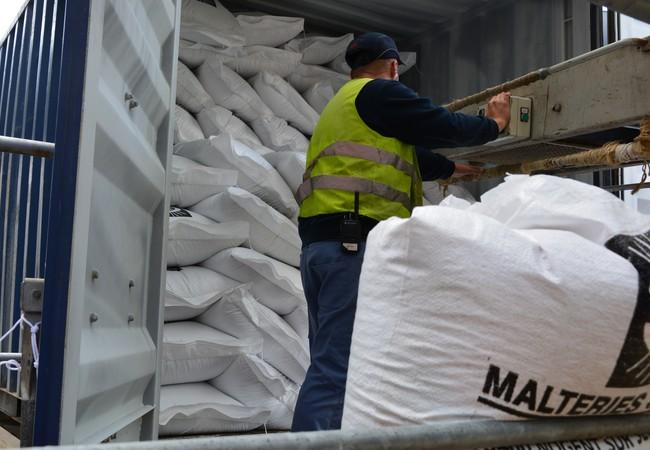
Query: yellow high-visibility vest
{"points": [[346, 156]]}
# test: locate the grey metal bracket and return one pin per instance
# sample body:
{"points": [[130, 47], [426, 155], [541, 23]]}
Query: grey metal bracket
{"points": [[31, 302]]}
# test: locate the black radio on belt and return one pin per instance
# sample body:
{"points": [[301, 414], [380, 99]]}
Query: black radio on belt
{"points": [[351, 229]]}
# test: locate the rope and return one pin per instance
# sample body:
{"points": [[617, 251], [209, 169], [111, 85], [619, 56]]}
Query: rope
{"points": [[611, 154], [12, 364]]}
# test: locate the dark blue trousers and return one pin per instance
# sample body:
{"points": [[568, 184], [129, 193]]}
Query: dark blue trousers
{"points": [[330, 277]]}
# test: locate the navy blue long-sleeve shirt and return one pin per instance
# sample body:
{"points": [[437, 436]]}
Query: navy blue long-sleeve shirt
{"points": [[392, 109]]}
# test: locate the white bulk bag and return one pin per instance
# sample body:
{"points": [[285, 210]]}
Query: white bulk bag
{"points": [[241, 316], [192, 289], [275, 133], [186, 128], [435, 193], [217, 120], [193, 54], [409, 59], [319, 95], [544, 201], [191, 182], [299, 321], [213, 25], [305, 76], [195, 352], [493, 315], [231, 91], [285, 101], [340, 65], [256, 175], [198, 408], [258, 58], [270, 30], [271, 233], [291, 165], [189, 91], [193, 238], [320, 49], [253, 382], [274, 284]]}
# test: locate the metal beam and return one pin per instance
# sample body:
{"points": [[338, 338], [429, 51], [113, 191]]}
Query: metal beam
{"points": [[445, 436], [26, 147]]}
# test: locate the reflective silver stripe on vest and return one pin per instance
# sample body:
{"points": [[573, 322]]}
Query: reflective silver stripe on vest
{"points": [[363, 152], [352, 184]]}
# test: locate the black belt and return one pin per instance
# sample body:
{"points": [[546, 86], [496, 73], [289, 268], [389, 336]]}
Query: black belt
{"points": [[327, 227]]}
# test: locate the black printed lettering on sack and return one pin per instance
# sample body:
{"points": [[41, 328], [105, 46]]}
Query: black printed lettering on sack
{"points": [[179, 212], [513, 394], [632, 368], [610, 443]]}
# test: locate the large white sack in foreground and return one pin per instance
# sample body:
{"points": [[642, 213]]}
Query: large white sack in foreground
{"points": [[544, 201], [270, 30], [285, 101], [193, 238], [240, 315], [275, 133], [291, 165], [186, 128], [320, 49], [274, 284], [192, 289], [208, 24], [231, 91], [271, 233], [189, 91], [192, 182], [256, 175], [195, 352], [306, 75], [319, 95], [253, 382], [217, 120], [198, 408], [461, 317]]}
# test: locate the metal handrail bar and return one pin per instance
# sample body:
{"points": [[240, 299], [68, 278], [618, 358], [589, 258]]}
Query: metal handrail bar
{"points": [[445, 436], [26, 147]]}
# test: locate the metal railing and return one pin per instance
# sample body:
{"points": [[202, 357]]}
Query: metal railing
{"points": [[445, 436]]}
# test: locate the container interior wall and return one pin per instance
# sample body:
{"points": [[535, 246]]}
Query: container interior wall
{"points": [[489, 46], [29, 83]]}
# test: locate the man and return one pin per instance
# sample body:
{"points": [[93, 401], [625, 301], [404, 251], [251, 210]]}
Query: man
{"points": [[367, 158]]}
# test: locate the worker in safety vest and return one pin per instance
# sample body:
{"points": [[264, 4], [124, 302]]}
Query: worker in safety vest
{"points": [[370, 151]]}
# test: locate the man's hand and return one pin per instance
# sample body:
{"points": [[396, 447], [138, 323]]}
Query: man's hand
{"points": [[498, 109], [465, 170]]}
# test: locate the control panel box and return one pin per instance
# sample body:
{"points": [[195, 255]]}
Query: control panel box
{"points": [[521, 111]]}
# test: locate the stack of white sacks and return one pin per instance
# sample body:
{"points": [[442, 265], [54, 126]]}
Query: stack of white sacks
{"points": [[235, 339]]}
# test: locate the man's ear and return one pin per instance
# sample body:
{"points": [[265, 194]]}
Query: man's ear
{"points": [[394, 66]]}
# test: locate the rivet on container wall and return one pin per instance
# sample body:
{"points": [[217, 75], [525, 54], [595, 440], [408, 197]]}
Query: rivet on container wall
{"points": [[131, 284], [93, 318], [94, 275], [131, 318], [557, 107]]}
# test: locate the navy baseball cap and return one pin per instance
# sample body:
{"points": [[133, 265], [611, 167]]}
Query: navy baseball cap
{"points": [[369, 47]]}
